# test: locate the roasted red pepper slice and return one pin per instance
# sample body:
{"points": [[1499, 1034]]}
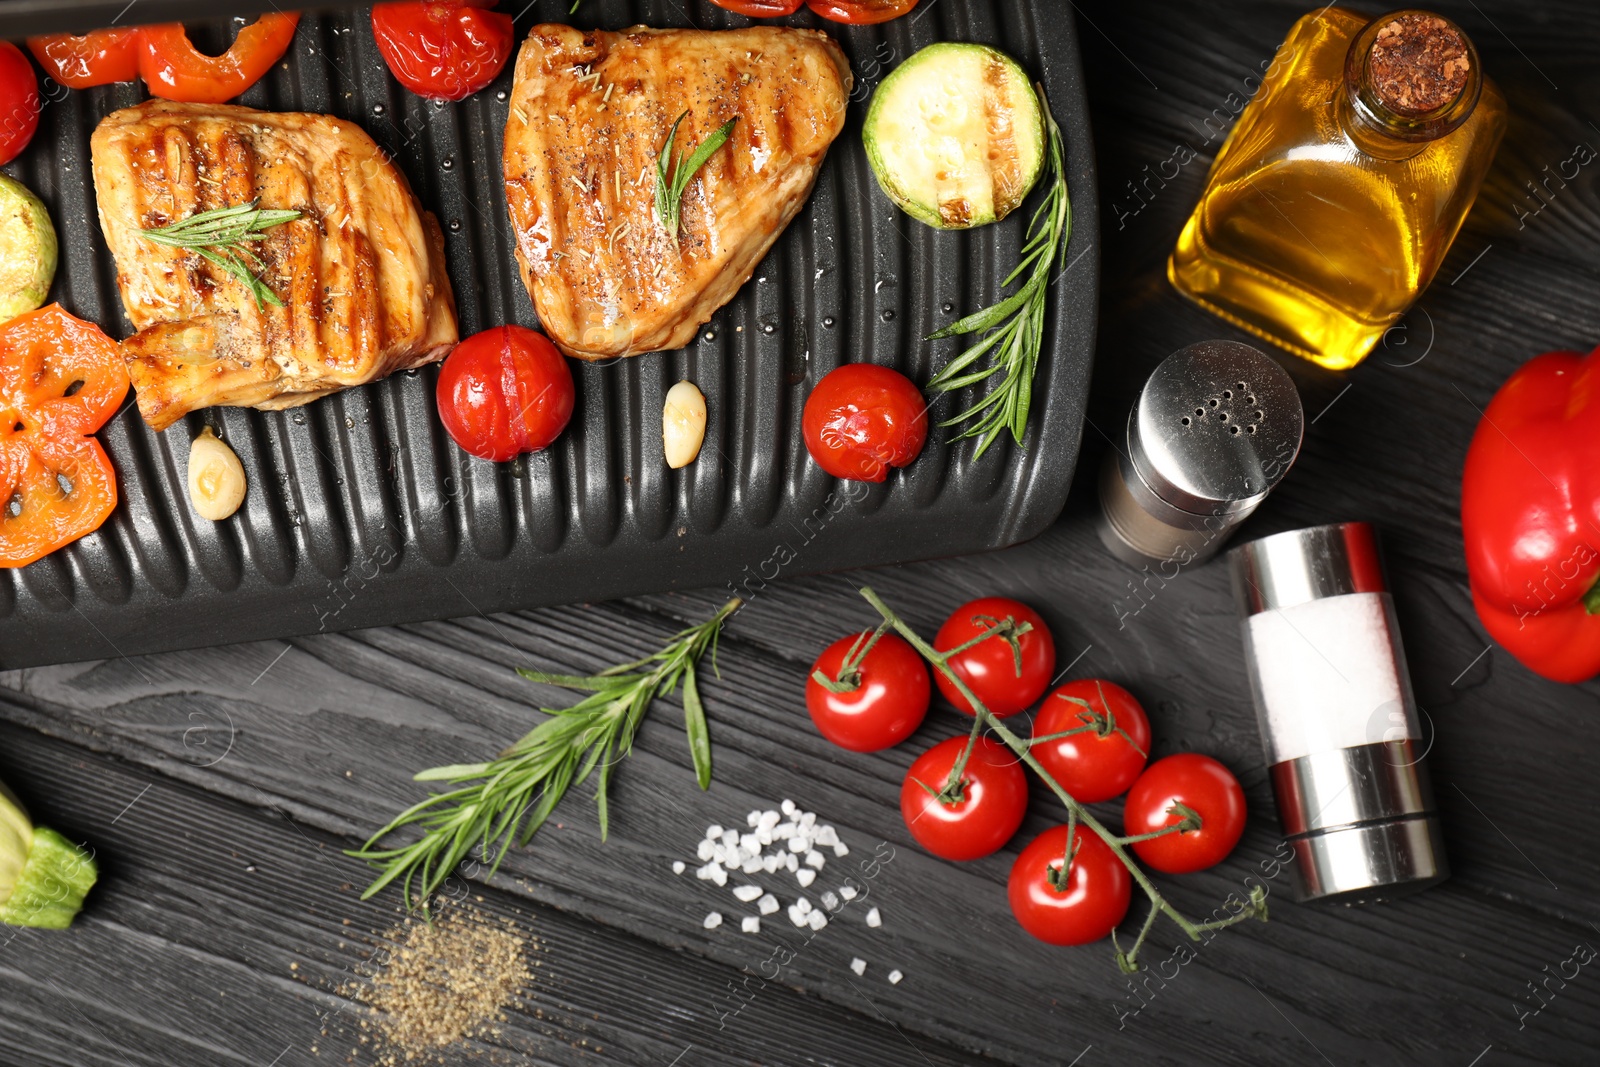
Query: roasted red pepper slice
{"points": [[173, 68], [97, 58], [443, 49], [861, 12], [60, 380], [1530, 515]]}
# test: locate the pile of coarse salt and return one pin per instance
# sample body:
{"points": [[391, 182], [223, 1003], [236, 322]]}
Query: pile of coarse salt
{"points": [[798, 835], [796, 841]]}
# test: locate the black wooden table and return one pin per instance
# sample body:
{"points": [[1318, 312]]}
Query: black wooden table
{"points": [[219, 787]]}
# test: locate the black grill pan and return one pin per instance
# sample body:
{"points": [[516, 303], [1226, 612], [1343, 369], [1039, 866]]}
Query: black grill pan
{"points": [[362, 512]]}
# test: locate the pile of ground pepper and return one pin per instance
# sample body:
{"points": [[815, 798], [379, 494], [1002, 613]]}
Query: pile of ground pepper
{"points": [[437, 985]]}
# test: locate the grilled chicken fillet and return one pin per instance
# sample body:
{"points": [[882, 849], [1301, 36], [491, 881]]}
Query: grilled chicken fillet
{"points": [[591, 111], [361, 272]]}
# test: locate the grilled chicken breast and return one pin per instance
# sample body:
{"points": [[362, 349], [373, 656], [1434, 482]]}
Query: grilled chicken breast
{"points": [[591, 111], [361, 272]]}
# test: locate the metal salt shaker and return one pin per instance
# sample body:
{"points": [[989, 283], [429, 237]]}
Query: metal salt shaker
{"points": [[1216, 427], [1338, 719]]}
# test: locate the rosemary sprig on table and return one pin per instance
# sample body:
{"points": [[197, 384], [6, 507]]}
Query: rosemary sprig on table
{"points": [[673, 175], [503, 802], [222, 237], [1017, 322]]}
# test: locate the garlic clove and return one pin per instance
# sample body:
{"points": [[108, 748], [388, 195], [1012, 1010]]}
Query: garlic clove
{"points": [[216, 477], [683, 424]]}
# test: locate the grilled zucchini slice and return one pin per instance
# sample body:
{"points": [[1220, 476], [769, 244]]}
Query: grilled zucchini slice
{"points": [[955, 135], [27, 250]]}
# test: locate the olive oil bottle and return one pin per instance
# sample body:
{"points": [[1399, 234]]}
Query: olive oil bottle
{"points": [[1337, 194]]}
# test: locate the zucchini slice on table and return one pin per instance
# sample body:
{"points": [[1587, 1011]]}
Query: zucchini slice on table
{"points": [[955, 135], [43, 876]]}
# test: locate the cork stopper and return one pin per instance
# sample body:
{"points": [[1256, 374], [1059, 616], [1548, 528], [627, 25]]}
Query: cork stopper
{"points": [[1419, 63]]}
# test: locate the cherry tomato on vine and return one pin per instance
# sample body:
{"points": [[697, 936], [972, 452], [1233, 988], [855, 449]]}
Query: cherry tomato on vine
{"points": [[760, 9], [1084, 905], [1203, 785], [987, 806], [862, 419], [1111, 746], [443, 49], [99, 57], [174, 69], [989, 668], [505, 391], [861, 12], [887, 703], [19, 100]]}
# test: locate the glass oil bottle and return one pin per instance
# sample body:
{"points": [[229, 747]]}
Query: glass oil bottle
{"points": [[1337, 194]]}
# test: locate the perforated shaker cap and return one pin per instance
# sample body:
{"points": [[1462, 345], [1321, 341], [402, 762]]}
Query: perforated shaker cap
{"points": [[1218, 425]]}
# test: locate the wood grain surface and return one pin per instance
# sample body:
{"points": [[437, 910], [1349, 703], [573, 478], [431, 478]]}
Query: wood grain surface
{"points": [[219, 787]]}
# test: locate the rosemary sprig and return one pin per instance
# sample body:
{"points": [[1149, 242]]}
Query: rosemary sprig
{"points": [[222, 237], [673, 175], [1017, 321], [503, 802]]}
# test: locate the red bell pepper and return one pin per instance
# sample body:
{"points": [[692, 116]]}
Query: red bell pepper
{"points": [[99, 57], [1530, 515], [174, 69]]}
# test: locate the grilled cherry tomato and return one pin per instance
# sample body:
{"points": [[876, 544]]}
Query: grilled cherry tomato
{"points": [[862, 419], [991, 667], [759, 9], [443, 49], [1082, 905], [60, 380], [174, 69], [19, 96], [987, 806], [1203, 785], [861, 12], [99, 57], [1109, 749], [504, 392], [887, 703]]}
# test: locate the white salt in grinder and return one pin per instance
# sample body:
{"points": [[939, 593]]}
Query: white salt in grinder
{"points": [[1216, 427], [1338, 719]]}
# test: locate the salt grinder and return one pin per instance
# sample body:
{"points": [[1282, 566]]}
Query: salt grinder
{"points": [[1338, 719], [1216, 427]]}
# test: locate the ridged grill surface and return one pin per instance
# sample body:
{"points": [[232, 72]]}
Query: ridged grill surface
{"points": [[362, 512]]}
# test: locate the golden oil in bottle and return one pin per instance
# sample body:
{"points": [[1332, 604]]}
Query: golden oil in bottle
{"points": [[1337, 194]]}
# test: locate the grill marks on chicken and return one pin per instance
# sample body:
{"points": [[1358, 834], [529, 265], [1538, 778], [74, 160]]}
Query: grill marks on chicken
{"points": [[361, 272], [589, 114]]}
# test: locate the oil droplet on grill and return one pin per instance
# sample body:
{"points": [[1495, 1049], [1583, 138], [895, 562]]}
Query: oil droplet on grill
{"points": [[377, 109], [888, 314], [828, 322], [448, 163]]}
